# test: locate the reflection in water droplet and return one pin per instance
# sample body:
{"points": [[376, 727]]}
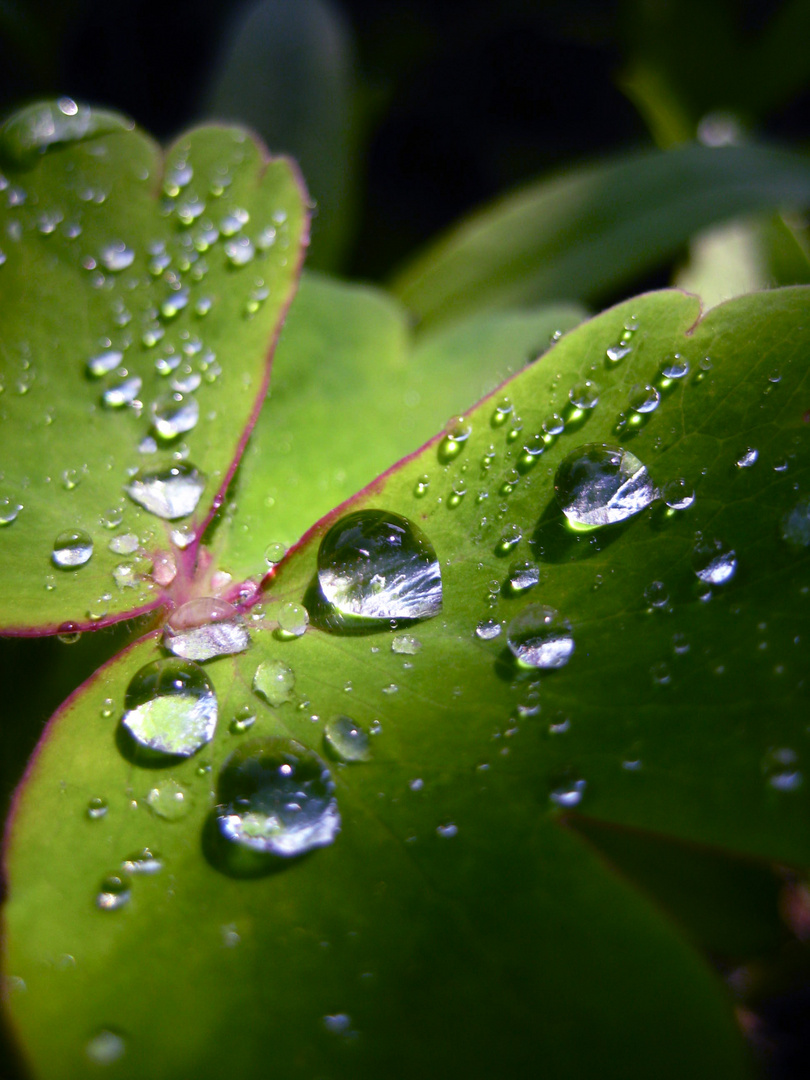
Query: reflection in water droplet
{"points": [[96, 808], [170, 707], [447, 831], [584, 395], [142, 862], [421, 486], [656, 594], [204, 628], [71, 549], [456, 434], [276, 797], [678, 495], [240, 250], [522, 577], [502, 410], [539, 637], [644, 399], [567, 789], [9, 509], [169, 493], [746, 460], [169, 800], [113, 894], [274, 681], [173, 414], [125, 544], [117, 256], [293, 619], [599, 484], [274, 553], [675, 367], [488, 629], [615, 353], [104, 363], [511, 536], [105, 1047], [714, 563], [346, 739], [378, 565], [243, 721], [796, 524]]}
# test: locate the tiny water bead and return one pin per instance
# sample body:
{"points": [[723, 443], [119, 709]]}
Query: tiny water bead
{"points": [[173, 414], [714, 563], [406, 645], [421, 486], [274, 681], [539, 637], [205, 627], [243, 720], [168, 493], [674, 367], [599, 484], [96, 808], [293, 619], [170, 707], [169, 800], [378, 565], [122, 393], [71, 549], [502, 410], [456, 434], [274, 553], [346, 740], [277, 798], [114, 893]]}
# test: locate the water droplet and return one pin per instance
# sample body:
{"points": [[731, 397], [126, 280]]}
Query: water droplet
{"points": [[615, 353], [553, 426], [205, 627], [240, 250], [455, 436], [746, 460], [9, 509], [274, 681], [33, 130], [169, 800], [170, 707], [142, 862], [346, 739], [656, 594], [173, 414], [337, 1023], [243, 721], [780, 767], [277, 798], [103, 363], [675, 367], [406, 645], [421, 486], [125, 544], [122, 393], [502, 410], [274, 553], [584, 395], [117, 256], [378, 565], [678, 495], [714, 563], [113, 894], [796, 524], [293, 619], [539, 637], [567, 789], [169, 493], [509, 539], [71, 549], [488, 629], [522, 577], [96, 808], [447, 831], [105, 1047], [599, 484], [661, 674], [644, 399]]}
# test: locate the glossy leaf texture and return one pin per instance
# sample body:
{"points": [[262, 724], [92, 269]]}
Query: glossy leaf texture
{"points": [[454, 926], [592, 231], [140, 302]]}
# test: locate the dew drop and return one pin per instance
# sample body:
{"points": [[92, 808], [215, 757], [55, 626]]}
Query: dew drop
{"points": [[456, 433], [714, 563], [274, 681], [421, 486], [122, 393], [113, 894], [276, 798], [795, 526], [103, 363], [584, 395], [174, 414], [293, 619], [522, 577], [170, 708], [378, 565], [615, 353], [205, 627], [447, 831], [502, 410], [488, 629], [746, 460], [169, 800], [346, 740], [599, 484], [539, 637], [656, 594], [780, 766], [96, 808], [33, 130], [239, 250], [406, 645], [675, 367], [678, 495], [71, 549], [644, 399], [511, 536], [117, 256], [9, 510], [567, 789], [274, 553], [243, 721], [142, 862], [168, 493], [105, 1047]]}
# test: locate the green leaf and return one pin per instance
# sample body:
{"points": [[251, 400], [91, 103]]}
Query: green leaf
{"points": [[453, 927], [128, 253], [589, 232], [351, 394]]}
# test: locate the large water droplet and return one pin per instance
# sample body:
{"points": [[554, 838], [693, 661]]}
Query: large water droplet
{"points": [[539, 637], [274, 681], [599, 484], [346, 740], [169, 493], [173, 414], [32, 130], [714, 563], [71, 549], [378, 565], [171, 707], [204, 628], [277, 798]]}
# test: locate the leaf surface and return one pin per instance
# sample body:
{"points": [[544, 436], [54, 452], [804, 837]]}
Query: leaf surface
{"points": [[454, 927], [174, 276]]}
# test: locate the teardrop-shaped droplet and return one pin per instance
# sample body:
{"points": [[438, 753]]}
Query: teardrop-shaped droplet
{"points": [[171, 708], [168, 493], [71, 549], [276, 798], [174, 414], [378, 565], [346, 740], [274, 681], [539, 637], [205, 627], [599, 484]]}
